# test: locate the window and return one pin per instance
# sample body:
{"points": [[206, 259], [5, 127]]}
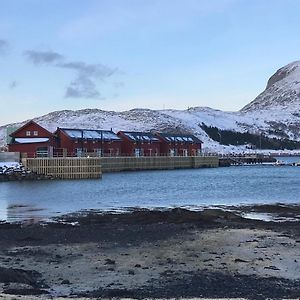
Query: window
{"points": [[28, 133], [137, 152], [98, 151], [42, 152], [35, 133]]}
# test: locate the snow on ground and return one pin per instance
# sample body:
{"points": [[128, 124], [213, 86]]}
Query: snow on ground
{"points": [[188, 120], [11, 167], [275, 110], [9, 164]]}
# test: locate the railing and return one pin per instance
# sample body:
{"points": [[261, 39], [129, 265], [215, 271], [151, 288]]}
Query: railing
{"points": [[94, 154]]}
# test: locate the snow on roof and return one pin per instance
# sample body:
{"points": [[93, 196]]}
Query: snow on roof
{"points": [[181, 138], [31, 140], [140, 136], [90, 134]]}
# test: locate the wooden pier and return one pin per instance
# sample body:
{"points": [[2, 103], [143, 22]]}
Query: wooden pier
{"points": [[88, 168], [245, 160], [66, 168], [116, 164]]}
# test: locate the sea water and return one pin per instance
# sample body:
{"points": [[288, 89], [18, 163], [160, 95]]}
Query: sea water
{"points": [[38, 200]]}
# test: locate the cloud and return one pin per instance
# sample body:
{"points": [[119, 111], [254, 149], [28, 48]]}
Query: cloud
{"points": [[84, 85], [43, 57], [3, 47], [92, 70]]}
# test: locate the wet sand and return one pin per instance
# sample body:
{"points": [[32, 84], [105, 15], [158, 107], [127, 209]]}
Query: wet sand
{"points": [[162, 254]]}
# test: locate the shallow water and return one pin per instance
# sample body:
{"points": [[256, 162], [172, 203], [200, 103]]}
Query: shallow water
{"points": [[192, 187]]}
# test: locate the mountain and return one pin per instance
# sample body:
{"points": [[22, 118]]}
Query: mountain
{"points": [[273, 113], [282, 91], [279, 104], [184, 121]]}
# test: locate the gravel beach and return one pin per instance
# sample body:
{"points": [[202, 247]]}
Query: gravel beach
{"points": [[213, 253]]}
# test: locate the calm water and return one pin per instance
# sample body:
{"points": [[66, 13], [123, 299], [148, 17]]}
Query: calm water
{"points": [[220, 186]]}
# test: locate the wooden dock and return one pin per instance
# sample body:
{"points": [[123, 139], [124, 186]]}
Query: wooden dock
{"points": [[245, 160], [66, 168], [117, 164], [92, 167]]}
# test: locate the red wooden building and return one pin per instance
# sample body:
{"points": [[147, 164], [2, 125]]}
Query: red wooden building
{"points": [[32, 140], [179, 144], [85, 142], [139, 143]]}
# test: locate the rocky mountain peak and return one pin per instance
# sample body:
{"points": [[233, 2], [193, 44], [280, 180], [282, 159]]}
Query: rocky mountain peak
{"points": [[282, 91], [285, 72]]}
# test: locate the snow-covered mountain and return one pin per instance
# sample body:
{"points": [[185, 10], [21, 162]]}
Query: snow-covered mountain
{"points": [[279, 104], [282, 91], [275, 113], [185, 121]]}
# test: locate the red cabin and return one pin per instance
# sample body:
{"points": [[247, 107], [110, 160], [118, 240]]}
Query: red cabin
{"points": [[139, 143], [32, 140], [179, 144], [87, 142]]}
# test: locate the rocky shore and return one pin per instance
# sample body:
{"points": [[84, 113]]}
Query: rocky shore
{"points": [[213, 253], [17, 172]]}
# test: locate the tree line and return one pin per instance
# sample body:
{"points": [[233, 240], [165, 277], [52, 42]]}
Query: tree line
{"points": [[255, 141]]}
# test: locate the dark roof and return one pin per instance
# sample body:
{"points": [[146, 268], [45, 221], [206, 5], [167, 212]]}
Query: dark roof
{"points": [[139, 136], [90, 134], [180, 138]]}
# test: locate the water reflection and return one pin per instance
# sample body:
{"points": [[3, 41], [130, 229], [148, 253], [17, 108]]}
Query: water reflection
{"points": [[18, 211]]}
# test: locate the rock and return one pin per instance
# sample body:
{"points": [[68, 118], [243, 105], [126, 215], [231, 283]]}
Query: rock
{"points": [[24, 292], [272, 268], [237, 260], [19, 276], [109, 261], [65, 281]]}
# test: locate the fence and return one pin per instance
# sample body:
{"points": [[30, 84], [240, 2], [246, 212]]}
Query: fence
{"points": [[84, 168], [115, 164], [65, 168]]}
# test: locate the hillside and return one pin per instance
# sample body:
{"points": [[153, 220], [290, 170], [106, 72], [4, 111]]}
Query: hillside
{"points": [[275, 113]]}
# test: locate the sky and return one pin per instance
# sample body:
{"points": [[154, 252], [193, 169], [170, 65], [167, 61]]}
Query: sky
{"points": [[125, 54]]}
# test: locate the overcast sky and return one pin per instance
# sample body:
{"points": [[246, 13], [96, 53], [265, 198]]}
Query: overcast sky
{"points": [[123, 54]]}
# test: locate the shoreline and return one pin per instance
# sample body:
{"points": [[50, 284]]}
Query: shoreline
{"points": [[149, 253]]}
